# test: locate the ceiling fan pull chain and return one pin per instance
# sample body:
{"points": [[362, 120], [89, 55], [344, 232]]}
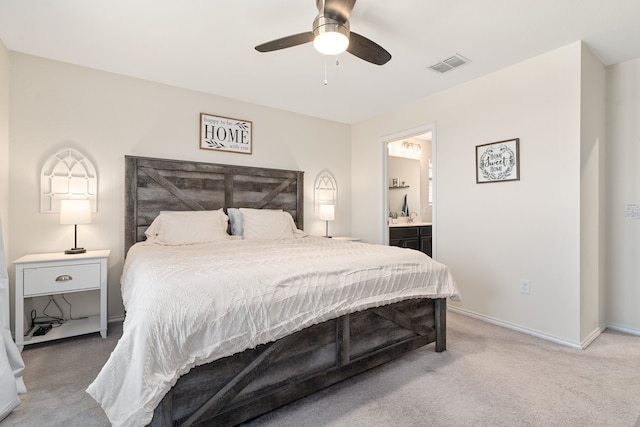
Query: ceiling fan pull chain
{"points": [[325, 74]]}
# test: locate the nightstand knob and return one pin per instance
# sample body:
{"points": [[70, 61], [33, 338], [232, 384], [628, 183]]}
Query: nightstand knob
{"points": [[64, 278]]}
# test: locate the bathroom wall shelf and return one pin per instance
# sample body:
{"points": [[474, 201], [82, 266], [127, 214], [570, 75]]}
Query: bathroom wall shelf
{"points": [[399, 186]]}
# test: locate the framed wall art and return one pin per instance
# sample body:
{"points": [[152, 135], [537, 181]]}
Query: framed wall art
{"points": [[225, 134], [498, 161]]}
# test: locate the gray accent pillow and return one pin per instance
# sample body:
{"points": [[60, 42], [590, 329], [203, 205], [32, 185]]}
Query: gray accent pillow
{"points": [[235, 221]]}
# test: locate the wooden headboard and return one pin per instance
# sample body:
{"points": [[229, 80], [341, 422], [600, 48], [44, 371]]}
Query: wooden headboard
{"points": [[154, 185]]}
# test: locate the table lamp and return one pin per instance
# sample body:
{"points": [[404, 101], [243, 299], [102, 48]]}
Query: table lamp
{"points": [[327, 213], [75, 212]]}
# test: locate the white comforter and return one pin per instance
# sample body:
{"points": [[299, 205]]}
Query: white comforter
{"points": [[189, 305]]}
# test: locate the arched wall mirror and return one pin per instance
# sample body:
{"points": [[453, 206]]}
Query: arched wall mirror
{"points": [[68, 174], [325, 189]]}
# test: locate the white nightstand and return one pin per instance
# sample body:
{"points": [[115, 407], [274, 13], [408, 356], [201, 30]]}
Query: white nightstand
{"points": [[54, 274]]}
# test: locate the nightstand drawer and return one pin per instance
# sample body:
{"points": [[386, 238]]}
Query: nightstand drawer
{"points": [[60, 279]]}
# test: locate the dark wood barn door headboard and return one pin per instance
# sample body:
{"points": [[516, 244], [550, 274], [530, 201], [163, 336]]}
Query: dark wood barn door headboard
{"points": [[154, 185]]}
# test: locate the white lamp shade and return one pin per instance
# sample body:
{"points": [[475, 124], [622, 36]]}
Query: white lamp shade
{"points": [[327, 212], [75, 211]]}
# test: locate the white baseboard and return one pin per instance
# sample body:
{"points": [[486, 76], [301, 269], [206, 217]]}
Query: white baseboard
{"points": [[115, 319], [579, 346], [591, 337], [625, 329]]}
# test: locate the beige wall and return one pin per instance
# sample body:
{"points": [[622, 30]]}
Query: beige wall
{"points": [[4, 137], [4, 181], [622, 235], [4, 173], [493, 235], [407, 170], [592, 137], [106, 116]]}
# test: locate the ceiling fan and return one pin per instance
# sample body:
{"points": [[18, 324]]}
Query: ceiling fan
{"points": [[331, 35]]}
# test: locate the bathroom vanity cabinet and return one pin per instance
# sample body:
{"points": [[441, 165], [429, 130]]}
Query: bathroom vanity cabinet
{"points": [[417, 237]]}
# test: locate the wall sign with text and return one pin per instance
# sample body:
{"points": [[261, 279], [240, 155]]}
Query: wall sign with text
{"points": [[225, 134], [498, 161]]}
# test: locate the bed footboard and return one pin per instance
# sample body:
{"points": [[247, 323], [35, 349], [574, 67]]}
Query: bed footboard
{"points": [[243, 386]]}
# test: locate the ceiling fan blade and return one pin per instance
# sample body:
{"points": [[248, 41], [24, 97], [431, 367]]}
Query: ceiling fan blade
{"points": [[368, 50], [285, 42], [337, 9]]}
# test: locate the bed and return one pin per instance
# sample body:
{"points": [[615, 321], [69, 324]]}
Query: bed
{"points": [[289, 316]]}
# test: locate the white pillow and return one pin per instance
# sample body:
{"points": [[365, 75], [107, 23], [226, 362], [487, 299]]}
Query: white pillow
{"points": [[267, 224], [188, 227]]}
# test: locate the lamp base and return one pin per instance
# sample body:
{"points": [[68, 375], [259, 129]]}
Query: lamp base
{"points": [[326, 234], [73, 251]]}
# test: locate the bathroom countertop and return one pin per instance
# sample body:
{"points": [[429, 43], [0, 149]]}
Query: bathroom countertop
{"points": [[410, 224]]}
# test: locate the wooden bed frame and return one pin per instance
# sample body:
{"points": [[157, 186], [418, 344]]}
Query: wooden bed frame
{"points": [[238, 388]]}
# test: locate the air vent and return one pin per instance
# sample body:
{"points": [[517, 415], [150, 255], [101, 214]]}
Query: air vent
{"points": [[449, 63]]}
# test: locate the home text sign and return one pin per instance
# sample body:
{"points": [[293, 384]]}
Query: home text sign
{"points": [[225, 134], [498, 161]]}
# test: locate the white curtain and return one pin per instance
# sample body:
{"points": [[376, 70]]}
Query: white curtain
{"points": [[11, 364]]}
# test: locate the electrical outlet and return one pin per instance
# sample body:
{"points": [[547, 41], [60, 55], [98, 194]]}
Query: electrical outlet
{"points": [[525, 286]]}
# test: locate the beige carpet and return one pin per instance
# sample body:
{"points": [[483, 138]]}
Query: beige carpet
{"points": [[489, 376]]}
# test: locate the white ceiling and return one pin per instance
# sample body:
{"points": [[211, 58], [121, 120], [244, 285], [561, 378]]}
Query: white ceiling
{"points": [[208, 45]]}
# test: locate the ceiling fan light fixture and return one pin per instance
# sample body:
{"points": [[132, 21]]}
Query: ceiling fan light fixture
{"points": [[330, 37]]}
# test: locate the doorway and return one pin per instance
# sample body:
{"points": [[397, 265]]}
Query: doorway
{"points": [[409, 180]]}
